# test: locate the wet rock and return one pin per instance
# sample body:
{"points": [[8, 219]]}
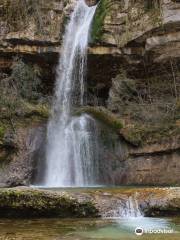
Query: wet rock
{"points": [[91, 3], [165, 203]]}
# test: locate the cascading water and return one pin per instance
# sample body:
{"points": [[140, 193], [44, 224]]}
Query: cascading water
{"points": [[71, 152], [131, 208], [125, 208]]}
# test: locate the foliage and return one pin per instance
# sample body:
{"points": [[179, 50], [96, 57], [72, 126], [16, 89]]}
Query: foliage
{"points": [[20, 97], [25, 79], [144, 134], [18, 12], [97, 25], [149, 107], [9, 100], [35, 110], [22, 84]]}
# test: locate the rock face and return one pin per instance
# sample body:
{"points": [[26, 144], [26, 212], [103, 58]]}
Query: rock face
{"points": [[143, 34], [142, 37], [35, 35], [137, 28], [146, 166], [18, 167], [91, 3], [133, 72], [39, 32]]}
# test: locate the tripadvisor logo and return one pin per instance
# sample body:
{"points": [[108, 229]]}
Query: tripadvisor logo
{"points": [[139, 231]]}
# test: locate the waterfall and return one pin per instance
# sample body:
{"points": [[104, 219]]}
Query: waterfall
{"points": [[131, 208], [72, 146], [125, 208]]}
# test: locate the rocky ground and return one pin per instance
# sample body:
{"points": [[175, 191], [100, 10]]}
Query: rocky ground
{"points": [[29, 202]]}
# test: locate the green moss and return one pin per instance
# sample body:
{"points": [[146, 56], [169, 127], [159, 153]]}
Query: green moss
{"points": [[102, 114], [4, 126], [133, 136], [35, 203], [97, 25], [2, 131], [40, 110], [139, 135]]}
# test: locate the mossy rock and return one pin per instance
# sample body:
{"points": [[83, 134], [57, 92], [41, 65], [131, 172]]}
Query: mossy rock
{"points": [[156, 211], [41, 110], [103, 115], [140, 135], [26, 117], [36, 203], [27, 114], [133, 136]]}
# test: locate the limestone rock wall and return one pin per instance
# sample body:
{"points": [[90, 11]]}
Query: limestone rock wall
{"points": [[143, 37], [21, 157], [139, 28], [31, 27]]}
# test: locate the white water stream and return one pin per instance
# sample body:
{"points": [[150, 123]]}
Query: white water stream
{"points": [[71, 152], [127, 208]]}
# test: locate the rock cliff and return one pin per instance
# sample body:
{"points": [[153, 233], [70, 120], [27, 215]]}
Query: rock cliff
{"points": [[139, 42], [133, 73]]}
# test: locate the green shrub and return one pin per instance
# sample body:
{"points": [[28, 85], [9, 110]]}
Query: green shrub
{"points": [[97, 24]]}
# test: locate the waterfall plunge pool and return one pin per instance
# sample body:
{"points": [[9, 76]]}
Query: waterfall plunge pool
{"points": [[108, 227], [86, 229]]}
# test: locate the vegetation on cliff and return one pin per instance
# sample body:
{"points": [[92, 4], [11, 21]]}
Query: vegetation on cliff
{"points": [[148, 107], [21, 102], [97, 25], [118, 23], [103, 115], [19, 13]]}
